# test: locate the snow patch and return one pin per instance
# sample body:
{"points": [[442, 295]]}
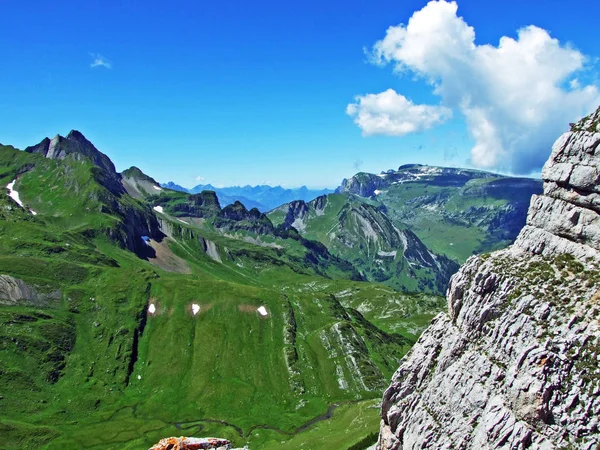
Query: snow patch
{"points": [[139, 377], [158, 209], [157, 188], [152, 308], [195, 308], [14, 194], [377, 192], [262, 311], [391, 254]]}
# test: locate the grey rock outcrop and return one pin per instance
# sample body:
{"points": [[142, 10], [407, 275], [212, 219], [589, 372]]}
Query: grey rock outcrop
{"points": [[15, 291], [296, 214], [514, 364], [236, 217], [177, 232]]}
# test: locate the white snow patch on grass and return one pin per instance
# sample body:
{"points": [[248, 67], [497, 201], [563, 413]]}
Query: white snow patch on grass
{"points": [[157, 188], [151, 308], [195, 308], [158, 209], [262, 311], [377, 192], [14, 194]]}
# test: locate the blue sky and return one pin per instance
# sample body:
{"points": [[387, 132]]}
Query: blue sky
{"points": [[257, 92]]}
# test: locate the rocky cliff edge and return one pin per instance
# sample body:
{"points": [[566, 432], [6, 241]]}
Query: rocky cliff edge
{"points": [[515, 363]]}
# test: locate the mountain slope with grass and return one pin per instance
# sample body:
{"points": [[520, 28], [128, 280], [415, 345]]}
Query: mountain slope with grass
{"points": [[455, 212], [362, 233], [130, 313]]}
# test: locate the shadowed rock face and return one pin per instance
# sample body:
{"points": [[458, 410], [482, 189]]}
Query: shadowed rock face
{"points": [[237, 217], [514, 362]]}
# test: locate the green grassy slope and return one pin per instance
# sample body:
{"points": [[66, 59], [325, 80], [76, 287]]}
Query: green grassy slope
{"points": [[361, 233], [455, 212], [481, 216], [90, 367]]}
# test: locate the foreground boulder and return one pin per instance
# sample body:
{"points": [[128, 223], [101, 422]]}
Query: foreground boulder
{"points": [[192, 443], [515, 363]]}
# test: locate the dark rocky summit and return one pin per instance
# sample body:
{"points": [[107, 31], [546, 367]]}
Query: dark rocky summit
{"points": [[514, 364], [76, 146], [236, 217], [135, 219]]}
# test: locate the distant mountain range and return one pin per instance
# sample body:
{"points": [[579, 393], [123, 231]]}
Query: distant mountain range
{"points": [[263, 197], [409, 228]]}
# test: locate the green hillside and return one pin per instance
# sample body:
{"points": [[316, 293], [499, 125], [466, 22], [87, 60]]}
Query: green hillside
{"points": [[357, 231], [455, 212], [122, 324]]}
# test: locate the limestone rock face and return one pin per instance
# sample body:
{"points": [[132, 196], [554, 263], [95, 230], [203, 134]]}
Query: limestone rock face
{"points": [[515, 363], [14, 291], [192, 443]]}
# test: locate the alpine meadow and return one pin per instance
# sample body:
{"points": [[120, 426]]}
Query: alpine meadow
{"points": [[306, 226]]}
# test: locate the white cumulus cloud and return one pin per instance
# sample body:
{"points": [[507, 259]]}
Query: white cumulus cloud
{"points": [[516, 97], [393, 114], [100, 61]]}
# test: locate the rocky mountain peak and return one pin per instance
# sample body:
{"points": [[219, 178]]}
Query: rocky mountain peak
{"points": [[136, 173], [77, 136], [74, 144], [237, 217], [514, 362]]}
